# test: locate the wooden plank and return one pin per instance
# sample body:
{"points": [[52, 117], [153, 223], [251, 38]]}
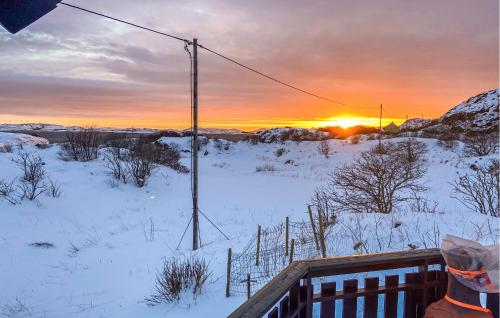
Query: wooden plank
{"points": [[303, 301], [284, 307], [362, 292], [411, 296], [391, 298], [372, 262], [273, 313], [266, 297], [350, 306], [294, 298], [432, 290], [328, 306], [371, 302]]}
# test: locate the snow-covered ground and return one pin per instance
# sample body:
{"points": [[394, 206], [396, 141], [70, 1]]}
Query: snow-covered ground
{"points": [[104, 260]]}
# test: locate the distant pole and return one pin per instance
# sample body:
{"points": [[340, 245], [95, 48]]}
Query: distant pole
{"points": [[194, 152], [380, 129]]}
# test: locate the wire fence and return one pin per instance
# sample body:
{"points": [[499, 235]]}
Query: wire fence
{"points": [[250, 270]]}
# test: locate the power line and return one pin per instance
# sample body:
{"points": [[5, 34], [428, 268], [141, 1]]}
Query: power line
{"points": [[126, 22], [270, 77], [218, 54]]}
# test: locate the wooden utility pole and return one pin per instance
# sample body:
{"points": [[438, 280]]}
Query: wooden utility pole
{"points": [[380, 129], [194, 151]]}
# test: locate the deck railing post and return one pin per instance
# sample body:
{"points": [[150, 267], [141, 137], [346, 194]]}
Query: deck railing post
{"points": [[309, 298]]}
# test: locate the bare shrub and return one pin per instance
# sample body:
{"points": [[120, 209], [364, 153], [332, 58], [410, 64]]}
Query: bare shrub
{"points": [[480, 189], [280, 152], [480, 145], [421, 204], [321, 201], [178, 276], [448, 141], [113, 160], [221, 145], [16, 309], [374, 182], [160, 153], [6, 148], [82, 145], [265, 168], [8, 190], [54, 189], [324, 148], [140, 163], [32, 183], [355, 139]]}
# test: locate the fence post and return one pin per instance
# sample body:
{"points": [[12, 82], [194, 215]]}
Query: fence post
{"points": [[287, 225], [258, 246], [292, 248], [248, 286], [228, 277], [313, 227], [321, 233]]}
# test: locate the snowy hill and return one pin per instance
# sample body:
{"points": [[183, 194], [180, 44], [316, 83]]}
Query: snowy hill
{"points": [[479, 113], [15, 140]]}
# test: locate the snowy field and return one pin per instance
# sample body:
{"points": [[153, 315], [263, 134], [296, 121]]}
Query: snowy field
{"points": [[104, 260]]}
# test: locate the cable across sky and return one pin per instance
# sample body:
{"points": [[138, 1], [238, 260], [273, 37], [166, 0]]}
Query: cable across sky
{"points": [[272, 78]]}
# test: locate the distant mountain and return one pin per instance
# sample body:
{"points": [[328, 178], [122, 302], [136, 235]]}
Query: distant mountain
{"points": [[52, 127], [479, 113]]}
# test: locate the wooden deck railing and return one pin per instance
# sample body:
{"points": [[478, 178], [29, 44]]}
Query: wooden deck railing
{"points": [[292, 294]]}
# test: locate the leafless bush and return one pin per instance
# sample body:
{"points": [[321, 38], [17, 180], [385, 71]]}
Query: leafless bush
{"points": [[178, 276], [32, 183], [54, 189], [265, 168], [355, 139], [82, 145], [324, 148], [448, 141], [480, 145], [16, 309], [140, 167], [479, 190], [421, 204], [113, 160], [8, 190], [321, 201], [221, 145], [160, 153], [374, 182], [6, 148], [280, 152]]}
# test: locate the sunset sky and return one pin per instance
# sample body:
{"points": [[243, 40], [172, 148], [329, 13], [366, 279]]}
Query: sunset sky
{"points": [[416, 57]]}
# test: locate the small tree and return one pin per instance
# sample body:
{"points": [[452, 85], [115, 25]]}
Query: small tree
{"points": [[375, 182], [324, 148], [410, 150], [479, 190], [480, 145]]}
